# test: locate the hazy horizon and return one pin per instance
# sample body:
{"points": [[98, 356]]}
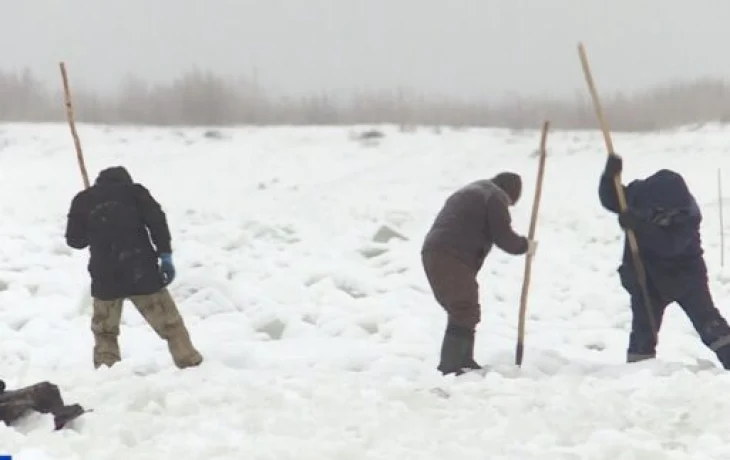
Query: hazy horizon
{"points": [[463, 48]]}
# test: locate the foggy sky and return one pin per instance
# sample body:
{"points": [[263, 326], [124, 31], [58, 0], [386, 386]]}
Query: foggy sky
{"points": [[464, 48]]}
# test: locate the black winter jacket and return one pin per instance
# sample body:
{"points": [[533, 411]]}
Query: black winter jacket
{"points": [[115, 218], [667, 232]]}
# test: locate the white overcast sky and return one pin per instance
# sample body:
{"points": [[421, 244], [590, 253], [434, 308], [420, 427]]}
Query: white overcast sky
{"points": [[464, 48]]}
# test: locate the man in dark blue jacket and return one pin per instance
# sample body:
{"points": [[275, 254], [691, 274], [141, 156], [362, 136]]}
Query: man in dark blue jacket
{"points": [[666, 221]]}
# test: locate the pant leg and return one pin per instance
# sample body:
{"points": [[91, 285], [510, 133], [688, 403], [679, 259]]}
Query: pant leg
{"points": [[707, 320], [642, 341], [454, 287], [105, 326], [161, 313]]}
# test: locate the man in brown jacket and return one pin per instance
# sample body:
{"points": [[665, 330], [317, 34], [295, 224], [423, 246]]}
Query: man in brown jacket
{"points": [[472, 220]]}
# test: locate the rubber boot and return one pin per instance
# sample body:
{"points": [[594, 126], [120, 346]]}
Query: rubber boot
{"points": [[723, 355], [638, 357], [455, 349], [469, 363]]}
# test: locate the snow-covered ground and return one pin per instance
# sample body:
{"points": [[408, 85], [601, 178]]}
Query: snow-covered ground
{"points": [[320, 343]]}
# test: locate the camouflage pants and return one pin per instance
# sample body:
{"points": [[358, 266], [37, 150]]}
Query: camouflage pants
{"points": [[160, 312], [42, 397]]}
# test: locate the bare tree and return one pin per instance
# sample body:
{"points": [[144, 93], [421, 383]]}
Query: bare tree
{"points": [[200, 97]]}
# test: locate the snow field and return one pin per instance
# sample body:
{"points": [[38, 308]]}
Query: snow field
{"points": [[321, 343]]}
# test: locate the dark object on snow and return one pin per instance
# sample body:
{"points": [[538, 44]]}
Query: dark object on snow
{"points": [[43, 397], [112, 219], [666, 221], [472, 220], [372, 134]]}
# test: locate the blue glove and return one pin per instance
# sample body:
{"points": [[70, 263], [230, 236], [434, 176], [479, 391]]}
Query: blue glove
{"points": [[167, 269]]}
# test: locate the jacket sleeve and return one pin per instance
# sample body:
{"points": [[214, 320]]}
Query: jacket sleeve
{"points": [[607, 193], [155, 219], [77, 234], [500, 224]]}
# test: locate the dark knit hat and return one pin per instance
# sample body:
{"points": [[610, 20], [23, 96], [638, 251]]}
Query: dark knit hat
{"points": [[114, 175], [511, 183]]}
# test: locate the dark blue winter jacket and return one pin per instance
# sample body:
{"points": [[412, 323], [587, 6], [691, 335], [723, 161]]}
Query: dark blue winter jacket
{"points": [[667, 231]]}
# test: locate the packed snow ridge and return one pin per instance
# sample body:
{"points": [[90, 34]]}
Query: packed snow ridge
{"points": [[320, 334]]}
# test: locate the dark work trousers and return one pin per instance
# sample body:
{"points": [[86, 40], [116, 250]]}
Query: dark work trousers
{"points": [[695, 300], [455, 287]]}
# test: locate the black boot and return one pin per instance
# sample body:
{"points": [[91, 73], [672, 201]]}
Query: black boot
{"points": [[469, 363], [723, 355], [455, 349]]}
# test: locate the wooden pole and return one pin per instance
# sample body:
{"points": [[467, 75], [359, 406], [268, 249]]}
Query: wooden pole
{"points": [[722, 222], [630, 236], [519, 352], [72, 125]]}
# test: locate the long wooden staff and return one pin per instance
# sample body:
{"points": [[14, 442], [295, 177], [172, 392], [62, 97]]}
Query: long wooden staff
{"points": [[72, 125], [630, 236], [79, 154], [531, 236]]}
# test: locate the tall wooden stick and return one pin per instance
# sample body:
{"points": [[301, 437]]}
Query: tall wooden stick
{"points": [[722, 223], [72, 125], [630, 236], [519, 352]]}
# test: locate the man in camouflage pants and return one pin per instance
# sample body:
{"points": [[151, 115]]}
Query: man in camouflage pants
{"points": [[43, 397], [115, 219]]}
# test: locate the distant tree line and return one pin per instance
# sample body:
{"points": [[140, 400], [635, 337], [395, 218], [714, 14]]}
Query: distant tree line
{"points": [[202, 98]]}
